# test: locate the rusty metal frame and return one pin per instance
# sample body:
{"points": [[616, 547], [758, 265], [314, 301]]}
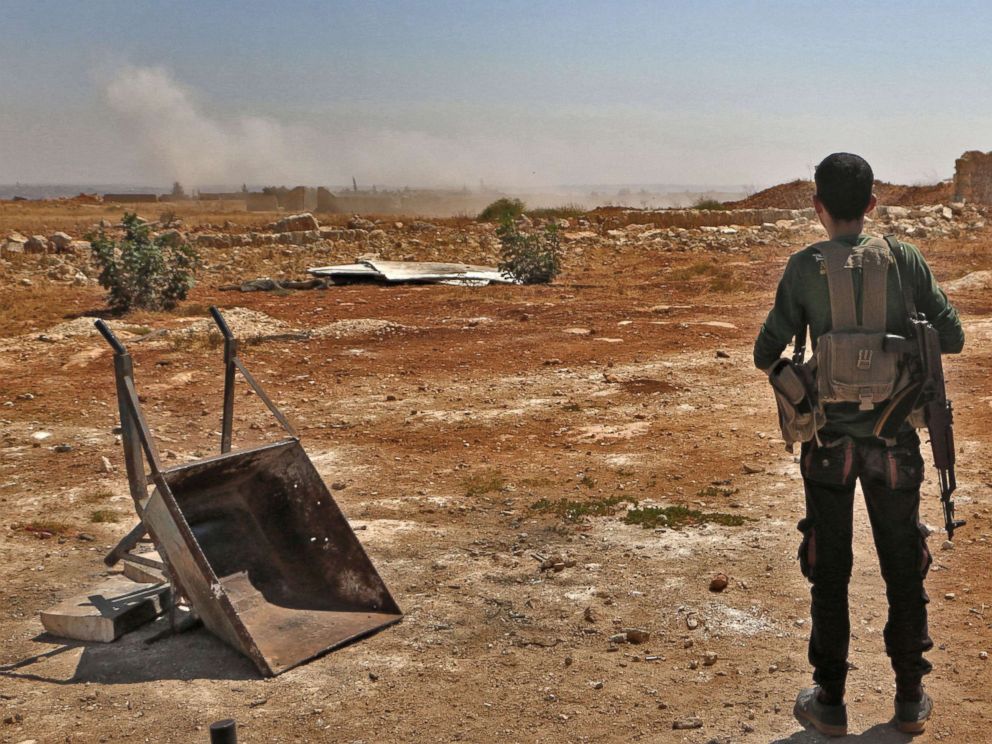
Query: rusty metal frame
{"points": [[155, 503]]}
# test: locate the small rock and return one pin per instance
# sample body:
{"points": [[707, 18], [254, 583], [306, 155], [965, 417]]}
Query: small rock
{"points": [[721, 354], [947, 545], [62, 448], [983, 655], [709, 658], [684, 724], [589, 615], [338, 486], [693, 664], [687, 643], [596, 684], [41, 436], [106, 464], [752, 469], [373, 676], [950, 595], [637, 636], [773, 668], [618, 638], [719, 583], [26, 396], [568, 661], [691, 622], [85, 537]]}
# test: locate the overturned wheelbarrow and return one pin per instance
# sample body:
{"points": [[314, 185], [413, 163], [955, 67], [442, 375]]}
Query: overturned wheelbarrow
{"points": [[251, 538]]}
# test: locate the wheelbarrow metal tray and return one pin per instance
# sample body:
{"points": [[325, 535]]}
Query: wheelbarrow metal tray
{"points": [[266, 557]]}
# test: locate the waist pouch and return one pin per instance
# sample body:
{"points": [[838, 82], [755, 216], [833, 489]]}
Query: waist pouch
{"points": [[799, 416], [854, 367]]}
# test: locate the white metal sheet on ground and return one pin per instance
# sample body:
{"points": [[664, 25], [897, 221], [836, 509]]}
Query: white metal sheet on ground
{"points": [[396, 272]]}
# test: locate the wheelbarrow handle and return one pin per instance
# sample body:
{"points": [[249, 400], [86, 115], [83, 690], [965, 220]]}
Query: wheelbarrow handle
{"points": [[108, 334], [221, 323]]}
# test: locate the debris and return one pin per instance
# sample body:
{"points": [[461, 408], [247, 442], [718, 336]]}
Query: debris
{"points": [[752, 469], [950, 595], [62, 448], [683, 724], [596, 684], [709, 658], [418, 272], [947, 545], [106, 465], [589, 615], [107, 611], [41, 436], [721, 354], [719, 582], [692, 622]]}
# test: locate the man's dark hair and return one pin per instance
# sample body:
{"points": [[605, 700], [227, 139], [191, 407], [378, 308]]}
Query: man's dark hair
{"points": [[843, 184]]}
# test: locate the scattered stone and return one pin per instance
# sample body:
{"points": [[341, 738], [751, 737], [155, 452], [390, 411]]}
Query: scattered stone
{"points": [[637, 636], [295, 223], [41, 436], [36, 244], [596, 684], [578, 331], [26, 396], [568, 661], [719, 582], [589, 615], [692, 622], [983, 655], [752, 469], [947, 545], [60, 241], [85, 537], [618, 638], [62, 448], [684, 724], [709, 658], [773, 668], [106, 465], [721, 354], [950, 595], [338, 486]]}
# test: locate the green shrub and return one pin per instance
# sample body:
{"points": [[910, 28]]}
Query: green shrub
{"points": [[502, 210], [141, 271], [568, 211], [529, 258], [704, 203]]}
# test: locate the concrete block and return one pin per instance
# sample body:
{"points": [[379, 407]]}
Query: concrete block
{"points": [[108, 611]]}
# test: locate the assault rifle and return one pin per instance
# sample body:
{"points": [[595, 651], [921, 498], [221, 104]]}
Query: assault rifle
{"points": [[938, 414], [927, 392]]}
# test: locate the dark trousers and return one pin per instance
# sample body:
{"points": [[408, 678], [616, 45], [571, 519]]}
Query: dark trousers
{"points": [[890, 479]]}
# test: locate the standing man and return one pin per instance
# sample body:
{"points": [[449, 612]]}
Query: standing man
{"points": [[854, 284]]}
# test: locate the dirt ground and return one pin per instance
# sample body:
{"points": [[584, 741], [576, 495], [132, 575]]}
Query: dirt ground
{"points": [[458, 420]]}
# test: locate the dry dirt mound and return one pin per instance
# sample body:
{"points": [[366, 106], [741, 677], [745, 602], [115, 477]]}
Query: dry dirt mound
{"points": [[796, 195]]}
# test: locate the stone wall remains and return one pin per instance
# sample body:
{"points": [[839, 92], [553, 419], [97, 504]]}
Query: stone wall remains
{"points": [[973, 177]]}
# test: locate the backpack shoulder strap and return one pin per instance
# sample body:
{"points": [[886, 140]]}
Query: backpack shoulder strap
{"points": [[876, 257], [902, 273], [843, 314]]}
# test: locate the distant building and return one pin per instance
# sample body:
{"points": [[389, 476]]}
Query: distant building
{"points": [[973, 177]]}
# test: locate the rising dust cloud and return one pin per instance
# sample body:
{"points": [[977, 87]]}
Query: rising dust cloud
{"points": [[177, 138]]}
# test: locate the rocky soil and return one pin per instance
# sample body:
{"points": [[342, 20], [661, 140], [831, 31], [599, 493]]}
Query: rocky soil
{"points": [[576, 492]]}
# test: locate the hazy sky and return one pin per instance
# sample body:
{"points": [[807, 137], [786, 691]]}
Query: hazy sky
{"points": [[517, 93]]}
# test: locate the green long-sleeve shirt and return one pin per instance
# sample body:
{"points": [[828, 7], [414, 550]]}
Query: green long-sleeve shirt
{"points": [[803, 295]]}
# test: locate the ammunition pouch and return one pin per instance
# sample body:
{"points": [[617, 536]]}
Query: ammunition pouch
{"points": [[858, 367], [799, 414]]}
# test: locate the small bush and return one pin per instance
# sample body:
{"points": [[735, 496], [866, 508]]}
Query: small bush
{"points": [[104, 516], [529, 258], [483, 482], [502, 210], [568, 211], [141, 271], [704, 203]]}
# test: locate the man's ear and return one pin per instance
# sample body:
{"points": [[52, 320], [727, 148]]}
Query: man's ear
{"points": [[817, 204], [871, 204]]}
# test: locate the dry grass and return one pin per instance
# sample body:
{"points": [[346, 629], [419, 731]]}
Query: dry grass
{"points": [[104, 516]]}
